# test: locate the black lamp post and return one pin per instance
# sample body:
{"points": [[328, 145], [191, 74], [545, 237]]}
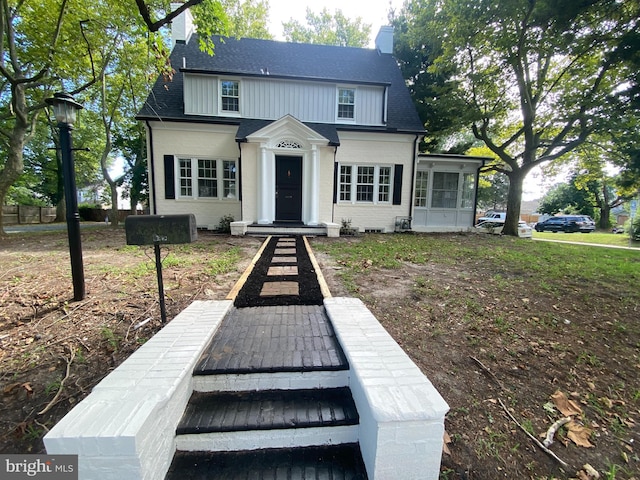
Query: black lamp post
{"points": [[65, 109]]}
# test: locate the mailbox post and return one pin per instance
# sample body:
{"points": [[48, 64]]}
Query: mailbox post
{"points": [[157, 230]]}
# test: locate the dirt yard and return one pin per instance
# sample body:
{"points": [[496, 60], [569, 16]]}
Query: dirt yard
{"points": [[491, 345]]}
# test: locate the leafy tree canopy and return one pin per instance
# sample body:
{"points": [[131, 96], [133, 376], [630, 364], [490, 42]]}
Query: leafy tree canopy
{"points": [[532, 79], [328, 29]]}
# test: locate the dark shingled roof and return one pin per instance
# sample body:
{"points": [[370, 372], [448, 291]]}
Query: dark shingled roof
{"points": [[251, 57]]}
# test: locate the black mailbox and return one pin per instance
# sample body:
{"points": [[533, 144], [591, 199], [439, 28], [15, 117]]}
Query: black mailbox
{"points": [[160, 229]]}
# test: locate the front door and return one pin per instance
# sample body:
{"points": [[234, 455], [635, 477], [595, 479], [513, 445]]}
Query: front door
{"points": [[288, 189]]}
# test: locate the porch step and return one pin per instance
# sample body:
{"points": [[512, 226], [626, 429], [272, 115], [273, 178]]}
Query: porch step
{"points": [[286, 229], [267, 419], [265, 410], [340, 462]]}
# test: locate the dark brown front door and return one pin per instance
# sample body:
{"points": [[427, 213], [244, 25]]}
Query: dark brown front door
{"points": [[288, 189]]}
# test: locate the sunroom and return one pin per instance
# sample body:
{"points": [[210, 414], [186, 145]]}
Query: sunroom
{"points": [[445, 192]]}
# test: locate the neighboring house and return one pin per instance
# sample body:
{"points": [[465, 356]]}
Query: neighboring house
{"points": [[281, 135]]}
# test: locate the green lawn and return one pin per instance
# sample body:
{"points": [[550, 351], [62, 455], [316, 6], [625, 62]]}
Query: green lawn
{"points": [[602, 238]]}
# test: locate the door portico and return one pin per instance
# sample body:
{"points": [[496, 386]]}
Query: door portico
{"points": [[287, 166]]}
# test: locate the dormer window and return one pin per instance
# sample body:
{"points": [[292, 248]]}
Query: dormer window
{"points": [[230, 96], [346, 103]]}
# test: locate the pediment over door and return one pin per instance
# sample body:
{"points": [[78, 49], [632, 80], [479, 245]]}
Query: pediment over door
{"points": [[288, 133]]}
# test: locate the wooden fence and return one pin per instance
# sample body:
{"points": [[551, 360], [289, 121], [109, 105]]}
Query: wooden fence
{"points": [[22, 214]]}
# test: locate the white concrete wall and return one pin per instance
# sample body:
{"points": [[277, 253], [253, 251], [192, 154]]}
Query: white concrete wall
{"points": [[193, 141], [370, 149], [401, 412], [125, 429]]}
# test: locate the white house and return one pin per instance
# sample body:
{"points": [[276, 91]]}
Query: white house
{"points": [[283, 135]]}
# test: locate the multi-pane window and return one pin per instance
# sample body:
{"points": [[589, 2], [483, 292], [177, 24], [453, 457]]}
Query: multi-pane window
{"points": [[230, 95], [229, 179], [468, 190], [346, 103], [211, 178], [365, 183], [445, 190], [207, 181], [345, 183], [422, 185], [184, 177], [384, 184]]}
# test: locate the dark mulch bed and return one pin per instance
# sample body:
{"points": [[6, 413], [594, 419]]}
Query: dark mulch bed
{"points": [[308, 286]]}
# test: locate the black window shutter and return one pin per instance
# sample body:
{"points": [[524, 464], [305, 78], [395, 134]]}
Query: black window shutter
{"points": [[335, 183], [169, 178], [397, 185]]}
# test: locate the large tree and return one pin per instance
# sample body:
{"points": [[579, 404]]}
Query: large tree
{"points": [[536, 77], [328, 29], [54, 45]]}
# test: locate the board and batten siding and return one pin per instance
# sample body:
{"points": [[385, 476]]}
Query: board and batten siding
{"points": [[271, 99], [202, 96]]}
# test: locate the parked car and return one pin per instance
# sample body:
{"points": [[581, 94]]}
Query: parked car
{"points": [[495, 226], [585, 222], [558, 224], [491, 216]]}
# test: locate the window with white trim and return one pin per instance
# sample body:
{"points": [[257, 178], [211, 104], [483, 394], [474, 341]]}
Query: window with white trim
{"points": [[422, 187], [468, 190], [185, 179], [445, 190], [346, 103], [345, 183], [365, 184], [229, 178], [213, 178], [207, 181], [230, 96], [384, 184]]}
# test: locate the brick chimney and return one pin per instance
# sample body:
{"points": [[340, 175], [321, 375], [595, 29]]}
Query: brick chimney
{"points": [[384, 40], [182, 26]]}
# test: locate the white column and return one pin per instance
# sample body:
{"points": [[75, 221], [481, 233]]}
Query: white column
{"points": [[315, 186], [263, 188]]}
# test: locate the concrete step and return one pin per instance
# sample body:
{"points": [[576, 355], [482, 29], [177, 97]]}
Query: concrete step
{"points": [[268, 410], [342, 462], [234, 382], [267, 419]]}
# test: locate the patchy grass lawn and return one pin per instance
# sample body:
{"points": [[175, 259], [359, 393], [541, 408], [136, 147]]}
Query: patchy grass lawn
{"points": [[600, 238], [42, 331], [488, 319], [496, 321]]}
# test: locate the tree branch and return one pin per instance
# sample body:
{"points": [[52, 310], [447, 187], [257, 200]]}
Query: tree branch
{"points": [[155, 26]]}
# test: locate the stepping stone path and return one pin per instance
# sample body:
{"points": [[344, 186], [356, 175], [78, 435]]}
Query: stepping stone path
{"points": [[270, 397]]}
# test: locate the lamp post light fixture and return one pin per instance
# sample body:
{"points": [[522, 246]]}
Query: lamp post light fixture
{"points": [[65, 109]]}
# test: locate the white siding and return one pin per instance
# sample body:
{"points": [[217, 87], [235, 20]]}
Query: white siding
{"points": [[369, 106], [271, 99], [200, 94]]}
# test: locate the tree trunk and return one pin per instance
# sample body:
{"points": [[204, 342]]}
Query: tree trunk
{"points": [[514, 199], [14, 165], [114, 218], [605, 212]]}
